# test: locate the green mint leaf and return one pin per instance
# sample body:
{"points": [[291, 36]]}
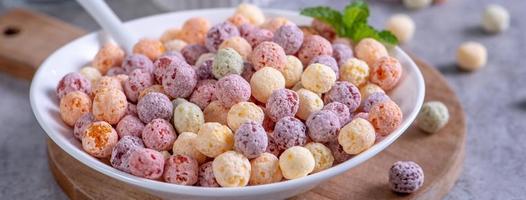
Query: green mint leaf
{"points": [[354, 13], [327, 15], [387, 37]]}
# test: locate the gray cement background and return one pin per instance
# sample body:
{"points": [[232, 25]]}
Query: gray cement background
{"points": [[494, 98]]}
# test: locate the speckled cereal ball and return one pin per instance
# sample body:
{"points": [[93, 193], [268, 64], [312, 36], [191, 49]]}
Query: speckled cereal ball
{"points": [[188, 117], [92, 74], [273, 24], [151, 48], [310, 102], [346, 93], [341, 110], [268, 54], [252, 13], [373, 99], [108, 56], [137, 61], [416, 4], [174, 45], [99, 139], [290, 37], [138, 80], [73, 82], [239, 44], [386, 72], [219, 33], [110, 106], [406, 177], [272, 147], [120, 155], [194, 30], [357, 136], [130, 125], [150, 89], [370, 50], [282, 103], [341, 52], [238, 20], [313, 46], [73, 106], [328, 61], [154, 105], [243, 112], [107, 83], [232, 89], [265, 170], [147, 163], [250, 139], [256, 36], [213, 139], [289, 132], [204, 94], [181, 170], [231, 169], [81, 124], [368, 89], [292, 71], [354, 71], [495, 19], [433, 116], [265, 81], [192, 52], [159, 135], [323, 28], [184, 145], [471, 56], [322, 156], [216, 112], [179, 81], [402, 26], [204, 69], [227, 61], [296, 162], [318, 78], [165, 63], [338, 153], [206, 176], [385, 116], [323, 126]]}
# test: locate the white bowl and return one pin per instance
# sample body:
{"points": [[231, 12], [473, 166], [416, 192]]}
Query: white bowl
{"points": [[409, 94]]}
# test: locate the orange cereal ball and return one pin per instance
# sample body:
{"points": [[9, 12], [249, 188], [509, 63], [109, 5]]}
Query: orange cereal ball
{"points": [[370, 50], [99, 139], [151, 48], [73, 106], [169, 35], [110, 106], [385, 116], [274, 23], [239, 44], [354, 71], [251, 12], [238, 19], [194, 30], [109, 55], [386, 72], [265, 169], [107, 83], [265, 81]]}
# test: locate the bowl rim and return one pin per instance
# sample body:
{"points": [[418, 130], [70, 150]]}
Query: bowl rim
{"points": [[155, 185]]}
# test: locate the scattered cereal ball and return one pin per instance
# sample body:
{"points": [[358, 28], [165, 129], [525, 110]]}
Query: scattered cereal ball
{"points": [[346, 93], [433, 116], [184, 145], [203, 70], [268, 54], [73, 106], [232, 89], [175, 45], [219, 33], [146, 163], [282, 103], [152, 88], [138, 80], [179, 81], [495, 19], [265, 81], [194, 30], [322, 156], [310, 102], [204, 93], [341, 52], [216, 112], [265, 170], [130, 125], [292, 71], [120, 155], [289, 132], [406, 177], [338, 153], [92, 74], [323, 28], [214, 139], [368, 89], [108, 56], [373, 99], [328, 61], [154, 105], [416, 4], [323, 126], [385, 116], [314, 45], [73, 82], [107, 83], [341, 110], [227, 61], [239, 44], [99, 139], [402, 26], [243, 112], [354, 71], [318, 78], [296, 162], [151, 48], [188, 117], [110, 106], [250, 139], [471, 56], [159, 135], [206, 176], [386, 72], [192, 52], [273, 24], [290, 37], [238, 19], [252, 13], [181, 170], [137, 61], [81, 124], [256, 36], [357, 136], [231, 169], [370, 50]]}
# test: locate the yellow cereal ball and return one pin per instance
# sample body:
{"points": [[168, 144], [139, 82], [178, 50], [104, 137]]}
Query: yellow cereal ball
{"points": [[216, 112], [151, 48], [309, 102], [194, 30], [184, 145], [274, 23], [108, 56], [318, 78], [154, 88], [402, 26], [244, 112], [231, 169], [99, 139], [368, 89], [239, 44], [354, 71], [296, 162], [471, 56], [213, 139], [292, 71], [265, 170], [110, 106], [174, 45], [107, 83], [322, 156], [264, 81], [356, 136], [252, 13], [370, 50], [91, 73], [169, 34], [188, 117], [238, 20], [73, 106]]}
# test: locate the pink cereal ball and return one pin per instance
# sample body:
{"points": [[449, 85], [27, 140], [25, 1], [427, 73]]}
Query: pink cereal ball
{"points": [[341, 110], [81, 124], [73, 106], [341, 52], [385, 116], [192, 52], [328, 61], [130, 125], [323, 126], [110, 106], [370, 50], [165, 63], [181, 170], [204, 94], [179, 81], [115, 71], [346, 93], [338, 153], [232, 89], [373, 99], [137, 61], [110, 55], [159, 135], [290, 37], [314, 45], [289, 132], [218, 34], [268, 54], [73, 82], [120, 155], [138, 80], [151, 48], [257, 36], [154, 105], [282, 103], [406, 177], [250, 139], [206, 175], [99, 139], [386, 72], [146, 163]]}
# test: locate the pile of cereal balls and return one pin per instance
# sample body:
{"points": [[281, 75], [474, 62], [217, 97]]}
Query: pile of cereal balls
{"points": [[247, 101]]}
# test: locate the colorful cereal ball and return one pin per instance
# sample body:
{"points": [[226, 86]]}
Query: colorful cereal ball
{"points": [[147, 163], [107, 83], [341, 52], [322, 156], [218, 34], [314, 45], [354, 71], [310, 102], [318, 78], [346, 93], [265, 81], [214, 139], [373, 99], [239, 44], [81, 124], [296, 162], [289, 132], [120, 155], [292, 71], [368, 89], [370, 50], [179, 81], [194, 30], [231, 169], [252, 13], [206, 176], [216, 112], [385, 116], [328, 61], [73, 106], [282, 103], [174, 45], [138, 80], [165, 63], [357, 136], [250, 139], [433, 116], [137, 61], [338, 153], [73, 82], [108, 56], [110, 106], [159, 135], [386, 72], [151, 48], [130, 125], [232, 89], [204, 93], [181, 170], [154, 105], [192, 52], [265, 170], [188, 117], [274, 24], [268, 54], [243, 112], [184, 145], [99, 139], [92, 74], [290, 37], [406, 177], [227, 61], [323, 126], [341, 110]]}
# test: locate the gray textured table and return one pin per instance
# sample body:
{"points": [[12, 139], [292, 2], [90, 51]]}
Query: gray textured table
{"points": [[494, 98]]}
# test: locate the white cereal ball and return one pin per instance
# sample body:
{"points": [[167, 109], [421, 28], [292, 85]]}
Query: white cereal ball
{"points": [[471, 56], [322, 155], [417, 4], [296, 162], [402, 26], [184, 145], [252, 13], [231, 169], [433, 116], [495, 19], [91, 73], [175, 45]]}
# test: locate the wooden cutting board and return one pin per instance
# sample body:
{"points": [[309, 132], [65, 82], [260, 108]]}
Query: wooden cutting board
{"points": [[441, 155]]}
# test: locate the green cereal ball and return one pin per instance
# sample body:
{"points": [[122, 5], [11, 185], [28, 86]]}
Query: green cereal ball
{"points": [[227, 61], [433, 116]]}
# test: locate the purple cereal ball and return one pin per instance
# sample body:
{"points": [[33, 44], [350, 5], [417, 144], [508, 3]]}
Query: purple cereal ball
{"points": [[374, 98], [282, 103], [165, 63], [219, 33], [232, 89], [114, 71], [338, 153], [289, 132], [341, 110], [129, 125], [154, 105], [120, 155], [324, 126], [344, 92], [290, 37], [341, 52], [204, 93], [250, 139], [146, 163], [258, 36], [248, 71], [159, 135], [206, 175], [406, 177], [272, 147], [81, 124], [192, 52], [246, 29], [137, 61], [131, 109], [179, 81], [204, 71], [138, 80], [328, 61], [73, 82], [181, 170], [362, 115]]}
